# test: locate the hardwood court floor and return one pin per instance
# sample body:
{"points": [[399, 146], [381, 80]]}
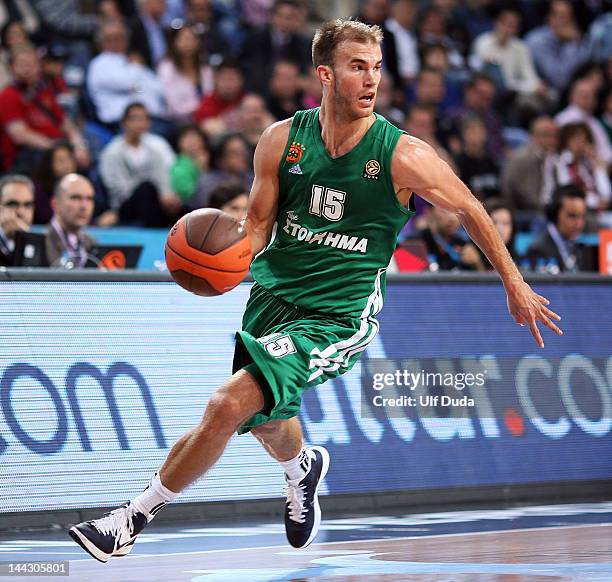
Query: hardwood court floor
{"points": [[526, 544]]}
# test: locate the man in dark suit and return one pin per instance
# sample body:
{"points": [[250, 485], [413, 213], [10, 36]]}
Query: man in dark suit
{"points": [[73, 206], [279, 41], [558, 245], [147, 37], [16, 213]]}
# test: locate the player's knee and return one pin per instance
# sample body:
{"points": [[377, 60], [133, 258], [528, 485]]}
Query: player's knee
{"points": [[225, 407]]}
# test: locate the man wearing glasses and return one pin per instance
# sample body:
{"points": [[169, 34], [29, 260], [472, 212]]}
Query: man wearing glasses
{"points": [[16, 213]]}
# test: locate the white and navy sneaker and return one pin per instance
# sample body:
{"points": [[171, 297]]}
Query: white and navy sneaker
{"points": [[302, 513], [111, 535]]}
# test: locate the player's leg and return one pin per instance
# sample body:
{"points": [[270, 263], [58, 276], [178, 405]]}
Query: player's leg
{"points": [[304, 469], [196, 451], [192, 455]]}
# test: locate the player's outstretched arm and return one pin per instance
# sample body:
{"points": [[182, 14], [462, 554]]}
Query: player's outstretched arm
{"points": [[263, 199], [416, 167]]}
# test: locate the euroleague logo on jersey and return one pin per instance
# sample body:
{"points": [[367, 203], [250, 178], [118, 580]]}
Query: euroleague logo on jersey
{"points": [[295, 153], [371, 170]]}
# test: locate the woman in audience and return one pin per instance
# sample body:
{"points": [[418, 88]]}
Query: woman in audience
{"points": [[579, 165], [476, 167], [57, 162], [231, 162], [191, 162], [502, 215], [12, 34], [232, 198], [183, 75]]}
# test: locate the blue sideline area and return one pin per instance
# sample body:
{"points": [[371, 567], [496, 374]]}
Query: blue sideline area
{"points": [[153, 241]]}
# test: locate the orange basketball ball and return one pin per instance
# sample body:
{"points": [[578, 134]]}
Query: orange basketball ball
{"points": [[208, 252]]}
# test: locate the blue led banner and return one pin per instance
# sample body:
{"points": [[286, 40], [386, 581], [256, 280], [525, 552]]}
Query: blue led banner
{"points": [[97, 381]]}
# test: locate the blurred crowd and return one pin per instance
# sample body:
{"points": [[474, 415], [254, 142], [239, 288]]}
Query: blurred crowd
{"points": [[157, 106]]}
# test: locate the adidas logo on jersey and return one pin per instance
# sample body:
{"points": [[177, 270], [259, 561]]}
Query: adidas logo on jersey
{"points": [[295, 169], [330, 239]]}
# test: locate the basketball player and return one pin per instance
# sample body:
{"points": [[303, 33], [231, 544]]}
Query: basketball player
{"points": [[338, 183]]}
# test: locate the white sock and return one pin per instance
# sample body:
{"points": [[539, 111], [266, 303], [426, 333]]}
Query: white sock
{"points": [[297, 467], [153, 498]]}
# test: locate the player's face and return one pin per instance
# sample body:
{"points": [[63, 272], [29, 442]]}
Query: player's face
{"points": [[356, 76]]}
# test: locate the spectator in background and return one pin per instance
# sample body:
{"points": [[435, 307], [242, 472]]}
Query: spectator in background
{"points": [[191, 162], [199, 15], [524, 183], [556, 47], [599, 39], [432, 29], [256, 13], [478, 100], [114, 80], [503, 48], [502, 215], [429, 90], [57, 162], [19, 11], [254, 118], [557, 248], [400, 25], [13, 34], [73, 207], [284, 90], [148, 37], [16, 213], [230, 198], [184, 76], [280, 40], [65, 19], [581, 108], [110, 11], [31, 116], [445, 247], [435, 56], [312, 90], [421, 123], [135, 168], [476, 168], [579, 165], [384, 101], [231, 163], [217, 111]]}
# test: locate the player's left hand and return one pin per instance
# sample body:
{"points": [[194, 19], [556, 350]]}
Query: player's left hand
{"points": [[527, 307]]}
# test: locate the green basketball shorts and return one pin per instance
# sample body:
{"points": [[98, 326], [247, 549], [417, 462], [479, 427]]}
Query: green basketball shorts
{"points": [[289, 349]]}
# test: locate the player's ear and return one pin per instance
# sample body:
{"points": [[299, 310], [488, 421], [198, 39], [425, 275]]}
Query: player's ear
{"points": [[325, 74]]}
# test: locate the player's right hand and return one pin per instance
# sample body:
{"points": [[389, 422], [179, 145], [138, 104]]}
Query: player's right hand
{"points": [[527, 308]]}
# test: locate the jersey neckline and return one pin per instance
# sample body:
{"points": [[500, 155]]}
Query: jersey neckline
{"points": [[316, 127]]}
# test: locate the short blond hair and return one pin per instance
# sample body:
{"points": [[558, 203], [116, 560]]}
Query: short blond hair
{"points": [[332, 33]]}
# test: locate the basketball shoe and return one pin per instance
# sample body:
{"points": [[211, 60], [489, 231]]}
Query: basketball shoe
{"points": [[111, 535], [302, 512]]}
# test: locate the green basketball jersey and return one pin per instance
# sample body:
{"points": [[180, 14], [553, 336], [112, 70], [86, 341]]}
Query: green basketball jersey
{"points": [[337, 223]]}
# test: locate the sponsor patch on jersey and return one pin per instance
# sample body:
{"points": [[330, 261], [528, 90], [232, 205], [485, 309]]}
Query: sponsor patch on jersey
{"points": [[371, 170], [347, 242], [295, 153]]}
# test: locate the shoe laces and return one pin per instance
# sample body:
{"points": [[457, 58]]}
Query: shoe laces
{"points": [[113, 521], [295, 499]]}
